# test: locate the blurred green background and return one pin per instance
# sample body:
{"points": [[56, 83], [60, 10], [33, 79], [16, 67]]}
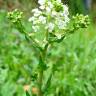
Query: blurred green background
{"points": [[75, 57]]}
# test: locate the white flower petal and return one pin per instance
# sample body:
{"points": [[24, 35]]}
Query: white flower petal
{"points": [[31, 19], [48, 9], [54, 13], [41, 2], [50, 27], [42, 19], [61, 24], [42, 7]]}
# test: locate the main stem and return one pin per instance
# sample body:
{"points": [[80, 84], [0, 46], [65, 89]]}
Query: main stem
{"points": [[40, 81], [41, 71]]}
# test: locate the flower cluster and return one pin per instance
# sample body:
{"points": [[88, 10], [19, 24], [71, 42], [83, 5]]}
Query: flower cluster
{"points": [[81, 21], [15, 16], [52, 14]]}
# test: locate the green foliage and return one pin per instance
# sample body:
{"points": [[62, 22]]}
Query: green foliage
{"points": [[76, 6], [27, 94]]}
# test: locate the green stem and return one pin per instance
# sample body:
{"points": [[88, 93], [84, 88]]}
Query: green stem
{"points": [[40, 81], [47, 36], [42, 63], [22, 29]]}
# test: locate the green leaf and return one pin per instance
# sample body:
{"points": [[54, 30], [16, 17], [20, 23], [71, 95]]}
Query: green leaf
{"points": [[48, 83], [42, 65], [27, 93], [55, 38]]}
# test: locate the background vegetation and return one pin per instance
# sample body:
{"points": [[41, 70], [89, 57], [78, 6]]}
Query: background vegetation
{"points": [[75, 57]]}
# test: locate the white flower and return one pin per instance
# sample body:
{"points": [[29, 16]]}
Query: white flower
{"points": [[47, 15], [66, 19], [50, 27], [54, 13], [59, 1], [42, 7], [66, 12], [42, 19], [31, 19], [36, 12], [61, 24], [48, 9], [50, 4], [41, 2]]}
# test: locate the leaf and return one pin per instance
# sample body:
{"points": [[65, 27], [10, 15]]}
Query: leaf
{"points": [[61, 39], [42, 65], [57, 40], [48, 83], [27, 94], [52, 35]]}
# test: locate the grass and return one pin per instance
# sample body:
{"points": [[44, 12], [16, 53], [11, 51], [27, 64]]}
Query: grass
{"points": [[75, 58]]}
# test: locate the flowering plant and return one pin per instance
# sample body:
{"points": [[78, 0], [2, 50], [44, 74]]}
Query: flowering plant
{"points": [[52, 21]]}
